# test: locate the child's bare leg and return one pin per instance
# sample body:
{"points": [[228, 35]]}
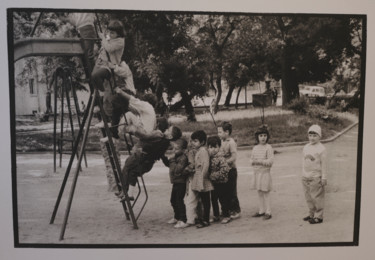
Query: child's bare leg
{"points": [[261, 202], [267, 202]]}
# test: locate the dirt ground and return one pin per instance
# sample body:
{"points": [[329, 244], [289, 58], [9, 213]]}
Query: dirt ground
{"points": [[97, 217]]}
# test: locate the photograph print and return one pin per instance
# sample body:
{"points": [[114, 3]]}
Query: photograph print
{"points": [[185, 129]]}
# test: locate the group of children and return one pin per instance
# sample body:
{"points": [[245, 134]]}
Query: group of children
{"points": [[204, 172]]}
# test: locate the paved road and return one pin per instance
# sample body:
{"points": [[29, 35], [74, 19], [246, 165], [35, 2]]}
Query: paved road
{"points": [[97, 217]]}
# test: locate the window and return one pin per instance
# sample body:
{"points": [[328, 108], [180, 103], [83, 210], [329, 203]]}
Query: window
{"points": [[31, 86]]}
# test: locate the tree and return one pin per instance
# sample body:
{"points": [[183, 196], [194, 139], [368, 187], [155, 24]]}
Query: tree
{"points": [[310, 48], [216, 33], [247, 57]]}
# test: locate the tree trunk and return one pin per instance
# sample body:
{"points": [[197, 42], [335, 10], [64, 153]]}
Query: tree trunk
{"points": [[218, 86], [229, 95], [238, 95], [289, 83]]}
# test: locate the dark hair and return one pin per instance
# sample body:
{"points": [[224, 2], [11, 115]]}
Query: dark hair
{"points": [[226, 127], [213, 141], [150, 98], [263, 129], [116, 26], [176, 133], [162, 124], [199, 135], [181, 142]]}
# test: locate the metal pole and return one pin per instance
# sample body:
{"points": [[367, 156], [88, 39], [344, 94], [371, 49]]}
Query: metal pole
{"points": [[76, 103], [75, 177], [36, 24], [90, 102], [61, 121], [54, 120]]}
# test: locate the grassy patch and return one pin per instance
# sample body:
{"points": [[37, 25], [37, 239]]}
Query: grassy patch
{"points": [[284, 127]]}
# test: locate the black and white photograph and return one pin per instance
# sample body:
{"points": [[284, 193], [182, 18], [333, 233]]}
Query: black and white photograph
{"points": [[145, 128]]}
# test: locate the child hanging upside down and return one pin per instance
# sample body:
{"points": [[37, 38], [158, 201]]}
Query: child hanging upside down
{"points": [[150, 148]]}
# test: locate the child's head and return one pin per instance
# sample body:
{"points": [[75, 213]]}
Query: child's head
{"points": [[116, 29], [224, 130], [198, 138], [213, 144], [162, 124], [173, 133], [179, 145], [314, 134], [262, 135]]}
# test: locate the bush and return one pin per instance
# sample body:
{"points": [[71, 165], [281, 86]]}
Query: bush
{"points": [[319, 100], [322, 113], [299, 105]]}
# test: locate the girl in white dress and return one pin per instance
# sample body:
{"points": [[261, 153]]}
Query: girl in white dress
{"points": [[262, 160]]}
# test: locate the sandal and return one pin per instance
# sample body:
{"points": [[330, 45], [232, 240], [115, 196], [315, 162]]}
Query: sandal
{"points": [[315, 220]]}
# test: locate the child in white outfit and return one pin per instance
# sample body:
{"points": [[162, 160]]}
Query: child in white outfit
{"points": [[314, 176], [262, 160]]}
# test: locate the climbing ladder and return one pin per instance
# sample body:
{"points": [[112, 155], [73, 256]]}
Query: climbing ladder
{"points": [[74, 47]]}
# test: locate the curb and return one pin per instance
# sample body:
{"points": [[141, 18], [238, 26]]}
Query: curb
{"points": [[331, 139], [276, 145]]}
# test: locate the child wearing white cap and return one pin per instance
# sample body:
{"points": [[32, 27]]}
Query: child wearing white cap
{"points": [[314, 175]]}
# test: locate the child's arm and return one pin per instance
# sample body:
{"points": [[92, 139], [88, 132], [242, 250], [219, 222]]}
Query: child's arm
{"points": [[190, 168], [224, 167], [113, 45], [177, 166], [324, 167], [233, 153], [269, 161], [205, 158]]}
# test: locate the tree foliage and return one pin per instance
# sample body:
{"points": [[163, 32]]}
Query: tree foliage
{"points": [[187, 54]]}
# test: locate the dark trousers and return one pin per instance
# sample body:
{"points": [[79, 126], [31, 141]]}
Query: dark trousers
{"points": [[98, 75], [206, 205], [220, 194], [177, 201], [135, 166], [88, 35], [234, 204]]}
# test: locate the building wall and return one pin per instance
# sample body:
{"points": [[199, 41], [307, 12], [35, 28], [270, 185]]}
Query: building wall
{"points": [[27, 103]]}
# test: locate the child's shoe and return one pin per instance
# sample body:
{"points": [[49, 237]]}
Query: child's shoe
{"points": [[181, 224], [119, 194], [235, 215], [307, 218], [257, 215], [215, 219], [225, 220], [203, 224], [315, 220], [267, 216], [172, 221], [123, 198]]}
